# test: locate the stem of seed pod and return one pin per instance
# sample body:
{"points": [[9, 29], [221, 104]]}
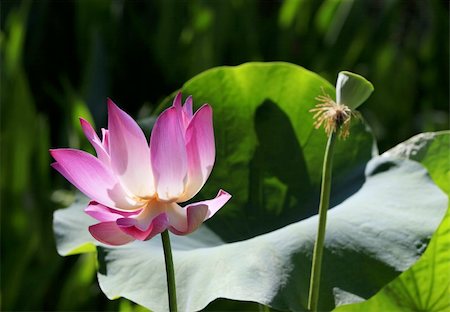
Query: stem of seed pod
{"points": [[314, 285], [170, 273]]}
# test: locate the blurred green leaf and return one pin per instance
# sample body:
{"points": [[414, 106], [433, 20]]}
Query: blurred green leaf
{"points": [[80, 110], [82, 276], [128, 306], [24, 173], [325, 14], [287, 12]]}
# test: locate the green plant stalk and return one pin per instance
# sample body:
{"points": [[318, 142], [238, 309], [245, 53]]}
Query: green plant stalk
{"points": [[170, 273], [314, 286]]}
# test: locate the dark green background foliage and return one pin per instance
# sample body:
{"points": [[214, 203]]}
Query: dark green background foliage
{"points": [[61, 59]]}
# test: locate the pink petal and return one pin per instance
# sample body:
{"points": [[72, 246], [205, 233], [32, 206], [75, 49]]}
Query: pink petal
{"points": [[181, 112], [168, 155], [186, 220], [177, 101], [142, 224], [93, 138], [130, 155], [215, 204], [200, 151], [109, 233], [188, 107], [104, 214], [129, 226], [189, 218], [91, 177], [105, 139]]}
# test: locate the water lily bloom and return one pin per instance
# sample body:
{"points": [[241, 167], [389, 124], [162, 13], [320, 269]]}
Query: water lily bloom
{"points": [[135, 187]]}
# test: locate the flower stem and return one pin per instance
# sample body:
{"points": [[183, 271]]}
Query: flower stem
{"points": [[314, 285], [170, 273]]}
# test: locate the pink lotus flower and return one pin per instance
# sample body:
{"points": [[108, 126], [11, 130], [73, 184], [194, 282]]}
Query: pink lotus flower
{"points": [[135, 189]]}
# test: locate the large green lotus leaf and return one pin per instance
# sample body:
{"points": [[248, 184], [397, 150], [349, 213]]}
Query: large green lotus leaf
{"points": [[426, 285], [269, 156], [371, 237]]}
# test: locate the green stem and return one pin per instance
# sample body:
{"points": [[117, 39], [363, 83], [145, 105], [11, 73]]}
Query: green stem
{"points": [[170, 273], [314, 285]]}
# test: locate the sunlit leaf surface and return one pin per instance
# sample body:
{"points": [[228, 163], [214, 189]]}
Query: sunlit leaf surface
{"points": [[426, 285]]}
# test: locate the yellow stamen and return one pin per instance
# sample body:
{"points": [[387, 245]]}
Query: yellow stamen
{"points": [[332, 115]]}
